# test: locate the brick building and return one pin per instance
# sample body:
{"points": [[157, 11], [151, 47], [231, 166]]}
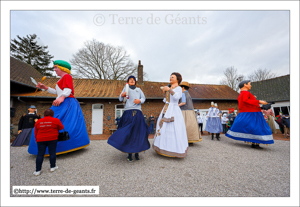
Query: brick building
{"points": [[99, 99]]}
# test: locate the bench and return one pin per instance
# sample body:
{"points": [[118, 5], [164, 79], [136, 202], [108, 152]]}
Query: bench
{"points": [[112, 130]]}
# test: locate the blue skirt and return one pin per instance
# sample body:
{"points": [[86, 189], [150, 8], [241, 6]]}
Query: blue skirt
{"points": [[70, 115], [251, 127], [132, 133], [213, 125]]}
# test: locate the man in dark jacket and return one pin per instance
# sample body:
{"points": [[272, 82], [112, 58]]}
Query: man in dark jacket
{"points": [[285, 121], [231, 118], [151, 121]]}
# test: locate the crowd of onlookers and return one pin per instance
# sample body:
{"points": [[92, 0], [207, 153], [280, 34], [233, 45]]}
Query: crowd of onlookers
{"points": [[283, 121]]}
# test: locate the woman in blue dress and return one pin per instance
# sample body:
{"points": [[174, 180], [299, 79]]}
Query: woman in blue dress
{"points": [[250, 125], [132, 133], [67, 109]]}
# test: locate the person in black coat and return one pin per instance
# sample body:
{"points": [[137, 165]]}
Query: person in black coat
{"points": [[26, 124], [28, 120], [151, 121], [285, 121]]}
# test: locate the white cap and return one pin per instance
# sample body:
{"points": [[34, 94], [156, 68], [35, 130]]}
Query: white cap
{"points": [[212, 103], [216, 104]]}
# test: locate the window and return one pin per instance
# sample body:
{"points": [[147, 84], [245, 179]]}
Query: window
{"points": [[283, 109], [97, 106], [276, 110], [119, 110]]}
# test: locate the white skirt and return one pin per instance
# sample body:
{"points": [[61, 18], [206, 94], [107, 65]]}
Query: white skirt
{"points": [[171, 139]]}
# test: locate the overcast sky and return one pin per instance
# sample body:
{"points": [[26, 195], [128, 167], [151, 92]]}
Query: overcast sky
{"points": [[198, 44]]}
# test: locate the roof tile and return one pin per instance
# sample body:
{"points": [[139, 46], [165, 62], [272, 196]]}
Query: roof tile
{"points": [[275, 89], [85, 88]]}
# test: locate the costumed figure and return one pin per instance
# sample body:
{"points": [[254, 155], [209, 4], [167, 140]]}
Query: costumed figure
{"points": [[213, 124], [224, 120], [25, 127], [170, 138], [200, 120], [132, 133], [270, 114], [250, 125], [67, 109], [187, 109]]}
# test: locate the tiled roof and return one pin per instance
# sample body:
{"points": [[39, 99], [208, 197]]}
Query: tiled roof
{"points": [[95, 88], [275, 89], [21, 72]]}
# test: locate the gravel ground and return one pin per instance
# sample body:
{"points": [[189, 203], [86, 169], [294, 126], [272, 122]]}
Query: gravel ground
{"points": [[226, 168]]}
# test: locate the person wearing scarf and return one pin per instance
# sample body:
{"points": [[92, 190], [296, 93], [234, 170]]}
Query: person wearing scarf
{"points": [[132, 133]]}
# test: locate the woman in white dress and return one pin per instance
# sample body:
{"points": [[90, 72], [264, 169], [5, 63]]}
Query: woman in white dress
{"points": [[170, 138]]}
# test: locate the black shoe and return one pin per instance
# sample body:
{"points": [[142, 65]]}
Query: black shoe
{"points": [[137, 156], [253, 146], [129, 158], [218, 138]]}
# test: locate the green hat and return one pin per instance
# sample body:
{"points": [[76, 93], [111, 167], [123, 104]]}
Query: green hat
{"points": [[62, 63]]}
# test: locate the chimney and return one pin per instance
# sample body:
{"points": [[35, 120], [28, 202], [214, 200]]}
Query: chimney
{"points": [[140, 74]]}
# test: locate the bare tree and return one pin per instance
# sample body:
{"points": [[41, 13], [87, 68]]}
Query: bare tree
{"points": [[232, 78], [260, 74], [99, 61]]}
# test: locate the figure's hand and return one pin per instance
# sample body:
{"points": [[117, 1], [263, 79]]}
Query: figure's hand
{"points": [[263, 102], [166, 88], [123, 94], [19, 131], [137, 101], [35, 120], [58, 101], [41, 86]]}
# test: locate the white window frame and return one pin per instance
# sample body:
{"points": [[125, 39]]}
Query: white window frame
{"points": [[121, 110]]}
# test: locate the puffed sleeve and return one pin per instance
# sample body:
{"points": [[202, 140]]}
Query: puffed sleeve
{"points": [[183, 98], [51, 90], [121, 98], [66, 92], [176, 93], [142, 97]]}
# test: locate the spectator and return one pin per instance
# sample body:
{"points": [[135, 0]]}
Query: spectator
{"points": [[46, 135], [285, 121], [278, 121], [231, 118], [151, 121], [224, 120], [200, 122]]}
